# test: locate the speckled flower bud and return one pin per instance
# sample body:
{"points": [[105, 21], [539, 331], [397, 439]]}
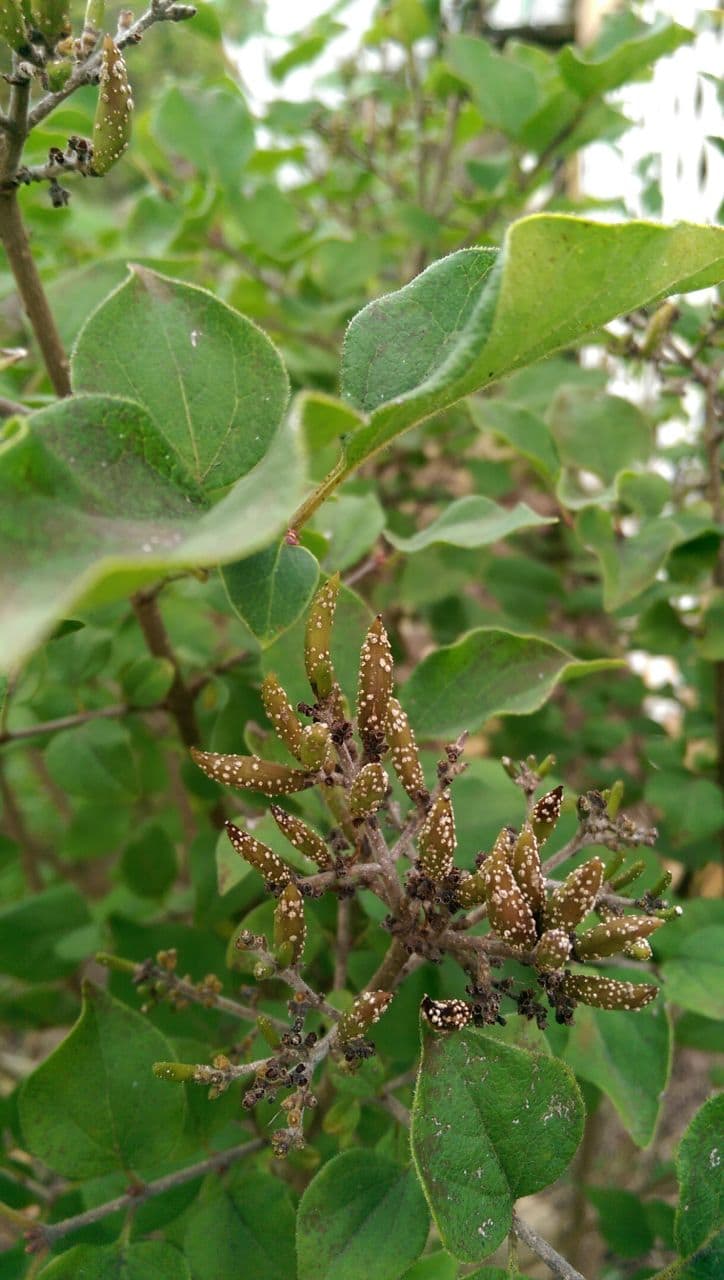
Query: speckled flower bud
{"points": [[446, 1015], [505, 842], [367, 1009], [273, 868], [471, 890], [368, 791], [508, 912], [251, 773], [112, 124], [437, 841], [571, 902], [610, 938], [290, 930], [546, 813], [314, 746], [375, 685], [403, 751], [281, 714], [607, 993], [318, 638], [526, 867], [52, 19], [552, 951], [302, 837], [12, 26]]}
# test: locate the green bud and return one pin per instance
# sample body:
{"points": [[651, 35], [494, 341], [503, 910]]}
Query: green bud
{"points": [[614, 798], [511, 768], [629, 875], [610, 938], [571, 902], [290, 930], [263, 970], [375, 685], [437, 841], [403, 751], [607, 993], [318, 638], [302, 837], [552, 951], [472, 889], [260, 856], [526, 867], [662, 885], [614, 864], [546, 813], [112, 124], [282, 715], [367, 1009], [657, 327], [116, 963], [178, 1072], [638, 949], [546, 765], [266, 1027], [251, 773], [314, 746], [368, 790], [508, 911], [669, 913]]}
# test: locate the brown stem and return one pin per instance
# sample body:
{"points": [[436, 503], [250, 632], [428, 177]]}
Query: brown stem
{"points": [[15, 241], [147, 971], [11, 408], [43, 1235], [344, 914], [713, 437], [545, 1251], [31, 852]]}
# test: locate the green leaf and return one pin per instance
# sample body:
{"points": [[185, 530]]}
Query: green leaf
{"points": [[590, 76], [271, 589], [622, 1221], [148, 864], [94, 1105], [477, 1149], [488, 672], [630, 565], [92, 501], [522, 428], [601, 433], [212, 383], [147, 680], [505, 92], [30, 931], [121, 1261], [351, 523], [628, 1056], [472, 522], [700, 1168], [361, 1215], [434, 1266], [94, 760], [244, 1225], [694, 973], [212, 128], [464, 323]]}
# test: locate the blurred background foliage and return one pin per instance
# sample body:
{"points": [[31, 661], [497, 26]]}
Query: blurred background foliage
{"points": [[434, 133]]}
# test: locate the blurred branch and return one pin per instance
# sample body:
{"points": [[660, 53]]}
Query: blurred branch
{"points": [[545, 1251]]}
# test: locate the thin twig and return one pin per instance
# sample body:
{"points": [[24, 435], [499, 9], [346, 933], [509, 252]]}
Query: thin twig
{"points": [[545, 1251], [344, 914], [11, 408], [147, 971]]}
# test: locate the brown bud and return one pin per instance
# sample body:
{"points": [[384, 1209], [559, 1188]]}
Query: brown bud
{"points": [[472, 889], [571, 902], [446, 1015], [318, 638], [607, 993], [290, 931], [505, 842], [546, 813], [526, 867], [403, 751], [375, 685], [368, 790], [251, 773], [112, 123], [282, 715], [609, 938], [508, 912], [260, 856], [302, 837], [314, 746], [367, 1009], [552, 951], [437, 841]]}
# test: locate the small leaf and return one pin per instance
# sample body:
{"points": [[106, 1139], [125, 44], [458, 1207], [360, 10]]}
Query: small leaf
{"points": [[476, 1149], [138, 1260], [94, 1105], [271, 589], [505, 91], [700, 1167], [30, 932], [488, 672], [630, 565], [212, 128], [352, 524], [590, 75], [472, 522], [362, 1215], [147, 680]]}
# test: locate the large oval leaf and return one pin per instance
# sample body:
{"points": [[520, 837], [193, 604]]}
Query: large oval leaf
{"points": [[242, 1227], [94, 1106], [271, 589], [490, 1123], [700, 1166], [362, 1215], [488, 672], [212, 383]]}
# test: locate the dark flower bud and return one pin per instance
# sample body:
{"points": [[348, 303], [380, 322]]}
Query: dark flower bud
{"points": [[571, 902], [525, 864], [302, 837], [368, 790], [290, 930], [282, 715], [552, 951], [251, 773], [508, 911], [446, 1015], [437, 841], [318, 639], [546, 813], [611, 937], [375, 685], [367, 1009], [607, 993], [403, 751], [260, 856]]}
